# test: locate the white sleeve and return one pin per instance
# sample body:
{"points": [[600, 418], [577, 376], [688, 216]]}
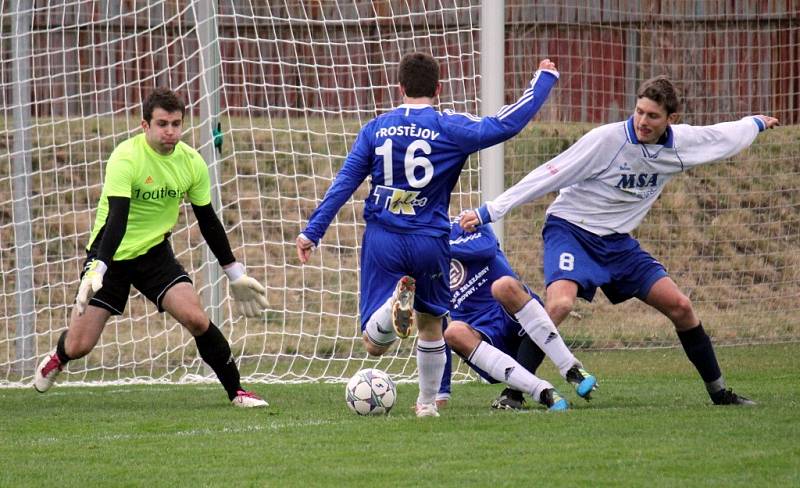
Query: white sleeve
{"points": [[700, 145], [587, 157]]}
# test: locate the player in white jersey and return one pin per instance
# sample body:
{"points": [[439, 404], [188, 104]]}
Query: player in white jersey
{"points": [[413, 155], [608, 180]]}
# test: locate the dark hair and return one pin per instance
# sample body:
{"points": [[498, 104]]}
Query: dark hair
{"points": [[419, 75], [162, 98], [661, 90]]}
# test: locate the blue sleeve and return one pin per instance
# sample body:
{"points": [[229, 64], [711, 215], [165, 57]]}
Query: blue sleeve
{"points": [[475, 133], [478, 246], [355, 169]]}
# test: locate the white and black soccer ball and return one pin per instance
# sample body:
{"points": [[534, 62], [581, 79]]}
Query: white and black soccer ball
{"points": [[370, 392]]}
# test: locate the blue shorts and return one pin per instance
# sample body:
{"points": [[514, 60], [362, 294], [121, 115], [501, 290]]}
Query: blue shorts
{"points": [[500, 329], [615, 263], [387, 256]]}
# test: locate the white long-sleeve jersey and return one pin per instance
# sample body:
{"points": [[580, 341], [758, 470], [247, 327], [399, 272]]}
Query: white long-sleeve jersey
{"points": [[608, 180]]}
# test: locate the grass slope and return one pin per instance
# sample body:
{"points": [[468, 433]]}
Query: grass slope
{"points": [[650, 424]]}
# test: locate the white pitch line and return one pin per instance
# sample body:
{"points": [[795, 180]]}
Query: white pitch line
{"points": [[246, 429]]}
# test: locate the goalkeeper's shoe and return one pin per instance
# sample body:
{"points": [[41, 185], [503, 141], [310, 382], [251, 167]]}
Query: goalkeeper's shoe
{"points": [[509, 399], [248, 399], [728, 397], [46, 372], [426, 410], [551, 399], [583, 382], [403, 307]]}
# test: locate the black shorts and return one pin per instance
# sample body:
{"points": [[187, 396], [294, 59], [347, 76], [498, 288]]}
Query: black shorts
{"points": [[152, 273]]}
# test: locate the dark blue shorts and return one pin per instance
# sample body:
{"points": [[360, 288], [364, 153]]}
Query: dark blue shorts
{"points": [[615, 263], [388, 256]]}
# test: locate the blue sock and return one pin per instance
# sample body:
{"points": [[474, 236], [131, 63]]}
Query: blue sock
{"points": [[700, 352]]}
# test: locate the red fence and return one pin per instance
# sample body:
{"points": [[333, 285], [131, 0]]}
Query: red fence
{"points": [[730, 58]]}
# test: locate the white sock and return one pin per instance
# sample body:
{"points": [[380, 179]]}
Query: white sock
{"points": [[540, 328], [502, 367], [430, 363], [379, 326]]}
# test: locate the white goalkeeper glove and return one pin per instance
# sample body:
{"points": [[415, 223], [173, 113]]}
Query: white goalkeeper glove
{"points": [[249, 294], [91, 282]]}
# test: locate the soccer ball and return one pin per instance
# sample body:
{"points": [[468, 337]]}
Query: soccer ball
{"points": [[370, 392]]}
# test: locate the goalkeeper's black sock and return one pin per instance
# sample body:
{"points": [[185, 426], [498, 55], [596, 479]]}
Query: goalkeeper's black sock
{"points": [[216, 352], [700, 352], [529, 355], [61, 350]]}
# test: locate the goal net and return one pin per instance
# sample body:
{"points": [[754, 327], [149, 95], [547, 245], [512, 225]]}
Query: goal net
{"points": [[291, 83]]}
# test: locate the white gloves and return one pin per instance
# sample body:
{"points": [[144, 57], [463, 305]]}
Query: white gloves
{"points": [[91, 282], [249, 294]]}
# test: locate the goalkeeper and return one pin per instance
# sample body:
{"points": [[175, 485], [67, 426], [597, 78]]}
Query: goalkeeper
{"points": [[608, 181], [146, 179]]}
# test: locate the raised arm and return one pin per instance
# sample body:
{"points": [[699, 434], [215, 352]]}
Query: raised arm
{"points": [[579, 162], [475, 133], [705, 144]]}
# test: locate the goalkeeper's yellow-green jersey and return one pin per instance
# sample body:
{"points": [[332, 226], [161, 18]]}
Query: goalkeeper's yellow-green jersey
{"points": [[155, 184]]}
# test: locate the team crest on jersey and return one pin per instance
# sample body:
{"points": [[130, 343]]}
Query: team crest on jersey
{"points": [[458, 274], [397, 201]]}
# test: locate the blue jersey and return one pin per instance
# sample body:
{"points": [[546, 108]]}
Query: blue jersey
{"points": [[476, 262], [414, 156]]}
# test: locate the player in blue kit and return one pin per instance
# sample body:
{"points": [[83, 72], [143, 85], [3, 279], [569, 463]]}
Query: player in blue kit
{"points": [[413, 155], [608, 181], [492, 312]]}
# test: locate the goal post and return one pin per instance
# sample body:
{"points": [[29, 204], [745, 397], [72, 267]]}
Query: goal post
{"points": [[492, 159], [20, 183], [290, 82]]}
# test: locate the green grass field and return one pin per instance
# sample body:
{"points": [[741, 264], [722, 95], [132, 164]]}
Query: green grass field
{"points": [[650, 424]]}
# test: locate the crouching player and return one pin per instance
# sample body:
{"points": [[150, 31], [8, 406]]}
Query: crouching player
{"points": [[147, 179], [492, 312]]}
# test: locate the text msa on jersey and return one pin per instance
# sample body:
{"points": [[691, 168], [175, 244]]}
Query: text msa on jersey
{"points": [[417, 168]]}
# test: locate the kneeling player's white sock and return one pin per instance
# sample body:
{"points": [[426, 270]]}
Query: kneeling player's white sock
{"points": [[537, 324], [430, 363], [379, 326], [502, 367]]}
